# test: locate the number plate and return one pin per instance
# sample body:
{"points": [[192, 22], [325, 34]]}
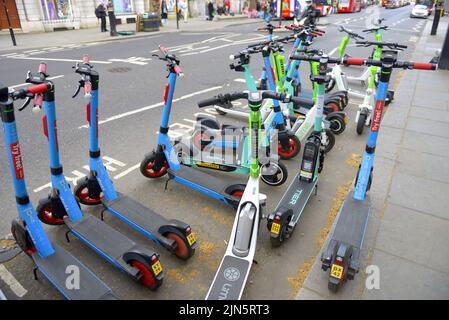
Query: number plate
{"points": [[275, 228], [157, 268], [191, 239], [336, 271]]}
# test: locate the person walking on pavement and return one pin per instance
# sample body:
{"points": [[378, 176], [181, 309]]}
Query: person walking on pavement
{"points": [[182, 4], [227, 5], [111, 15], [164, 12], [210, 8], [100, 12]]}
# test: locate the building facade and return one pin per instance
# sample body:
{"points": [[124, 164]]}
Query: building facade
{"points": [[50, 15]]}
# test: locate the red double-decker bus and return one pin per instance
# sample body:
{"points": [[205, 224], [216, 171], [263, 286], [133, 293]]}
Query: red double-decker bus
{"points": [[346, 6]]}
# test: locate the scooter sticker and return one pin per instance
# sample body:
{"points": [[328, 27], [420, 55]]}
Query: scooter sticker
{"points": [[17, 160], [377, 116], [275, 228], [336, 271], [157, 268], [191, 239]]}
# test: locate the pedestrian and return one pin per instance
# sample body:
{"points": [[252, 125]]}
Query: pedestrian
{"points": [[111, 14], [227, 5], [182, 4], [164, 12], [100, 12], [210, 9]]}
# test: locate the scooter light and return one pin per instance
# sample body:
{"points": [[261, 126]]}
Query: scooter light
{"points": [[231, 57]]}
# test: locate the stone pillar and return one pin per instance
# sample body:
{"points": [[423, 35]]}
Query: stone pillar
{"points": [[30, 15]]}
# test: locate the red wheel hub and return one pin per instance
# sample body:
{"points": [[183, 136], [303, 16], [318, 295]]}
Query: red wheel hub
{"points": [[147, 278], [49, 217], [156, 174], [333, 106], [182, 250], [290, 151], [84, 197]]}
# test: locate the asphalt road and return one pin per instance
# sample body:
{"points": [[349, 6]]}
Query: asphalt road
{"points": [[131, 83]]}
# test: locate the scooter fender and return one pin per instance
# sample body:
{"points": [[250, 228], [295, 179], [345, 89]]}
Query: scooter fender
{"points": [[284, 214]]}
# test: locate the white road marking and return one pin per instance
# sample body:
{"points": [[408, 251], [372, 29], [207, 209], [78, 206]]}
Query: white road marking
{"points": [[124, 173], [24, 84], [12, 282], [240, 80], [9, 54], [56, 59], [156, 105]]}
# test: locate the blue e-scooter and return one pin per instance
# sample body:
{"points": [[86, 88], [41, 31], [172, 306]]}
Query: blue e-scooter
{"points": [[165, 160], [174, 235], [50, 259], [61, 207], [342, 254]]}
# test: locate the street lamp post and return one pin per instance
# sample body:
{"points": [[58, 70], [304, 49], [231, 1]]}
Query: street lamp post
{"points": [[176, 15], [11, 31]]}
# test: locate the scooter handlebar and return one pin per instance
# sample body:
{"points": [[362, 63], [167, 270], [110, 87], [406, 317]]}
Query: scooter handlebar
{"points": [[222, 98]]}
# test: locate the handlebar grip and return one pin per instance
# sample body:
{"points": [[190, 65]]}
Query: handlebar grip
{"points": [[39, 88], [162, 49], [178, 70], [424, 66], [273, 95], [209, 102], [355, 61]]}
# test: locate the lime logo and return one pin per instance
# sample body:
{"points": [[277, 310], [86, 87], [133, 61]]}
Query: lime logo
{"points": [[231, 274]]}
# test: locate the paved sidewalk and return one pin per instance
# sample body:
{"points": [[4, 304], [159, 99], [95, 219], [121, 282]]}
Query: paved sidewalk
{"points": [[408, 232], [37, 40]]}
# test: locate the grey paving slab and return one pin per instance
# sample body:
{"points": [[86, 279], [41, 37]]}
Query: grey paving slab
{"points": [[430, 127], [415, 236], [435, 101], [420, 194], [396, 116], [307, 294], [424, 165], [388, 142], [430, 114], [402, 279], [382, 173], [426, 143]]}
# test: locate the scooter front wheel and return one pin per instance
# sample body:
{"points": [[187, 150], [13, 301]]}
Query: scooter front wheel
{"points": [[329, 141], [361, 123], [292, 150], [274, 174], [81, 192], [147, 167], [337, 125], [183, 250], [22, 237], [44, 211]]}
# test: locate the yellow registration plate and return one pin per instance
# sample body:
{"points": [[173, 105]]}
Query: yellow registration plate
{"points": [[346, 119], [191, 239], [157, 268], [275, 228], [336, 271]]}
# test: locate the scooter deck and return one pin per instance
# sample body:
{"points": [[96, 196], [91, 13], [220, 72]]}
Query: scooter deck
{"points": [[296, 197], [204, 181], [138, 216], [54, 269], [105, 240], [352, 221], [230, 279]]}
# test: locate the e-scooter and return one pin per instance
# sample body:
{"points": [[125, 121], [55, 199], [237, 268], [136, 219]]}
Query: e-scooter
{"points": [[273, 172], [49, 259], [343, 250], [282, 222], [61, 207], [164, 159], [173, 235], [230, 279]]}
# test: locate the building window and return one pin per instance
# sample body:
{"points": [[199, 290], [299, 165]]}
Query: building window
{"points": [[57, 9]]}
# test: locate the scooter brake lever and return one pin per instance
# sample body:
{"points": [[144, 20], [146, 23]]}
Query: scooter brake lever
{"points": [[26, 103], [80, 85]]}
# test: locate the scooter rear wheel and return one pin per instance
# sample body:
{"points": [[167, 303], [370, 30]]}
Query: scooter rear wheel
{"points": [[183, 249], [147, 165], [44, 211], [81, 192], [333, 287], [147, 277], [330, 142], [237, 191], [294, 146], [333, 106], [277, 178]]}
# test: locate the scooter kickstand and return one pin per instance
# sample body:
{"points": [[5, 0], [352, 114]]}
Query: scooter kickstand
{"points": [[102, 214], [166, 183], [67, 236], [35, 269], [316, 189]]}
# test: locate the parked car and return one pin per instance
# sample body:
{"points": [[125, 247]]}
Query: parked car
{"points": [[419, 11]]}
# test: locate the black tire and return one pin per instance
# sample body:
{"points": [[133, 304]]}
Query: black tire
{"points": [[22, 236], [236, 190], [274, 180], [294, 148], [278, 241], [337, 125], [45, 213], [81, 193], [147, 162], [361, 123], [147, 277], [332, 287], [330, 141]]}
